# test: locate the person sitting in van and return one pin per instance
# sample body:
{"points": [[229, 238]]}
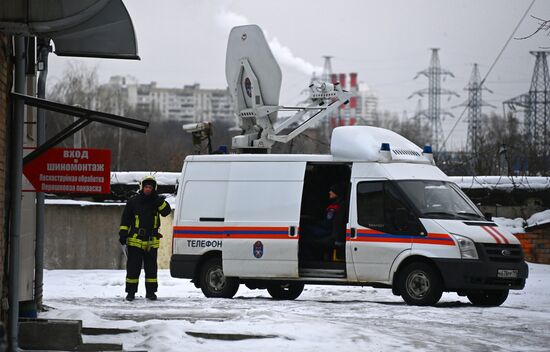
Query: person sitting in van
{"points": [[320, 234], [334, 206]]}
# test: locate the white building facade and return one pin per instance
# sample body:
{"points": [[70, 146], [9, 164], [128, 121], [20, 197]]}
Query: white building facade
{"points": [[188, 104]]}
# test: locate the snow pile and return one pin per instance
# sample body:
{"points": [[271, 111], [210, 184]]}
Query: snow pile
{"points": [[518, 225], [513, 225], [539, 218], [507, 183]]}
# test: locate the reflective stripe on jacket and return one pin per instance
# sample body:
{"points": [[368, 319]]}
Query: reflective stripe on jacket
{"points": [[145, 244]]}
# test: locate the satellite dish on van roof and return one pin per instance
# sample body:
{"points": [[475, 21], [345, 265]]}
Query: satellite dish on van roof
{"points": [[254, 79], [248, 42]]}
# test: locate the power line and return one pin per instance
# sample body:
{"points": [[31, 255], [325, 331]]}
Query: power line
{"points": [[434, 73], [490, 69], [474, 104], [536, 104]]}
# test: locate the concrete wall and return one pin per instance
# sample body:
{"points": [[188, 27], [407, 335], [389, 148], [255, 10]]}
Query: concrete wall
{"points": [[5, 85], [524, 211], [86, 237]]}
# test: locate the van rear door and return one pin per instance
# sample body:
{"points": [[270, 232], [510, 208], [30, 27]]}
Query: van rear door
{"points": [[261, 219]]}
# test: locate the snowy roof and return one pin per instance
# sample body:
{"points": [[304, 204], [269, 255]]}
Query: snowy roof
{"points": [[170, 198], [134, 177], [465, 182], [261, 157], [507, 183], [539, 218], [82, 203]]}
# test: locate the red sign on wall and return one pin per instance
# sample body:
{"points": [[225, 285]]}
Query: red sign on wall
{"points": [[68, 170]]}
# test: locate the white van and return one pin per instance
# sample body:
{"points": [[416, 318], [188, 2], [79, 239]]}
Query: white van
{"points": [[402, 224]]}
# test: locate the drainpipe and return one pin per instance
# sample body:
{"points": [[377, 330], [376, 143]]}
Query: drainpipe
{"points": [[44, 50], [17, 124]]}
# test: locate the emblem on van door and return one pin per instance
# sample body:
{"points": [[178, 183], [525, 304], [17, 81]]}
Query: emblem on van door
{"points": [[248, 87], [258, 249], [506, 253]]}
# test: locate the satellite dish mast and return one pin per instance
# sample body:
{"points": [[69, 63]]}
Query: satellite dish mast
{"points": [[254, 79]]}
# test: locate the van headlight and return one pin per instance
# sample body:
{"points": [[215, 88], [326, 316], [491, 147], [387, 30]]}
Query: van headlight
{"points": [[467, 247]]}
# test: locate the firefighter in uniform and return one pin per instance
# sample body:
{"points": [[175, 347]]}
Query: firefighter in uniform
{"points": [[316, 238], [139, 231]]}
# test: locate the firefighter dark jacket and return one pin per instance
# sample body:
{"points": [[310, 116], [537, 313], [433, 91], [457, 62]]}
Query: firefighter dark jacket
{"points": [[141, 220]]}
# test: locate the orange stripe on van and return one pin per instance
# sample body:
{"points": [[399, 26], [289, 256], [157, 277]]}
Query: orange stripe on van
{"points": [[370, 235], [246, 232]]}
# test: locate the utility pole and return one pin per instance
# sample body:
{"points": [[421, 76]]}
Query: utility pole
{"points": [[44, 50], [17, 131], [536, 105], [474, 105], [434, 92]]}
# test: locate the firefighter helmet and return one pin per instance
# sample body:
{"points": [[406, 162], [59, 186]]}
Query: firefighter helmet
{"points": [[148, 180]]}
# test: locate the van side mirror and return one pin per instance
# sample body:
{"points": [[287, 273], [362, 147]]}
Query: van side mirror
{"points": [[488, 216]]}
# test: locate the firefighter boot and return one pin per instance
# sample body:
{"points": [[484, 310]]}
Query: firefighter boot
{"points": [[130, 296], [151, 296]]}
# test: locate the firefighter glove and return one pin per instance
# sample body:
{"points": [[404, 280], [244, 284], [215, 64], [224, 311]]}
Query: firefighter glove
{"points": [[122, 237]]}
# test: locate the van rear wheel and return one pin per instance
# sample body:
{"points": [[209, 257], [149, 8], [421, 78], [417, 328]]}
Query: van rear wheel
{"points": [[285, 291], [420, 285], [214, 283], [488, 298]]}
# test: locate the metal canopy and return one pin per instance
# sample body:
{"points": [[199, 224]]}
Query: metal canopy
{"points": [[86, 117], [85, 28]]}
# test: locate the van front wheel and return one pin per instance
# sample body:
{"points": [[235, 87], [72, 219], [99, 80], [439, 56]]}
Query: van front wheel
{"points": [[488, 298], [285, 291], [420, 285], [214, 283]]}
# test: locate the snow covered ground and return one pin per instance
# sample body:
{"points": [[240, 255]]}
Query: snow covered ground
{"points": [[323, 318]]}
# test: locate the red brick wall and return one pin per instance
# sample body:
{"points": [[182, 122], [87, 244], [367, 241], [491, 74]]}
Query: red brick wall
{"points": [[536, 245], [5, 86]]}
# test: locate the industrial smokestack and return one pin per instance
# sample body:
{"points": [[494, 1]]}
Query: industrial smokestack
{"points": [[343, 80], [353, 80], [354, 89], [353, 100]]}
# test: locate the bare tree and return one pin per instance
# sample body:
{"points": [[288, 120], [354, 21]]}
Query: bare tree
{"points": [[77, 86], [543, 25]]}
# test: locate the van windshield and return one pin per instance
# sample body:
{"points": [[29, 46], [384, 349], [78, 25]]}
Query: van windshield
{"points": [[440, 200]]}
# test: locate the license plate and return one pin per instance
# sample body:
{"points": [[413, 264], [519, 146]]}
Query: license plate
{"points": [[507, 274]]}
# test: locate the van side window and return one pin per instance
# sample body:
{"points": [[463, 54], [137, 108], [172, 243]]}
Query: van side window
{"points": [[370, 205], [380, 207]]}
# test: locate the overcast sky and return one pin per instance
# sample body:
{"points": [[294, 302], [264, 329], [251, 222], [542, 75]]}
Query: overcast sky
{"points": [[385, 42]]}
